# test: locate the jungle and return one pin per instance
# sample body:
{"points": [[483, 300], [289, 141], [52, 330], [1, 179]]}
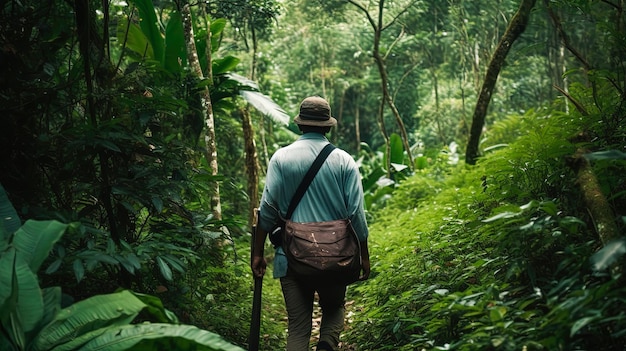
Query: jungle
{"points": [[490, 136]]}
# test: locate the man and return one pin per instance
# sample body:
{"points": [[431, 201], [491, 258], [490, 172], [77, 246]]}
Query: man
{"points": [[335, 193]]}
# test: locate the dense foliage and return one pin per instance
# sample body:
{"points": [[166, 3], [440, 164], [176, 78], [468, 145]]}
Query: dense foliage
{"points": [[502, 256], [105, 126]]}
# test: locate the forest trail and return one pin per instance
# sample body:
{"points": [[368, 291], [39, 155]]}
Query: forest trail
{"points": [[317, 320]]}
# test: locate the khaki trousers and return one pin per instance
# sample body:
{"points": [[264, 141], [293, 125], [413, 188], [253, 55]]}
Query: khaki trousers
{"points": [[299, 296]]}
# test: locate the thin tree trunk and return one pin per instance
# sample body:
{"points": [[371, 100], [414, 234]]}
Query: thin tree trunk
{"points": [[515, 29], [252, 162], [380, 62], [383, 130], [357, 126], [564, 38], [210, 151]]}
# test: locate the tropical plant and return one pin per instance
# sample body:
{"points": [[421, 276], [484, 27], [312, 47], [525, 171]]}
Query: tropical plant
{"points": [[35, 318]]}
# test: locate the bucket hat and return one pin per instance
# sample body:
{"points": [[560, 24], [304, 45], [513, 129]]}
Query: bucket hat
{"points": [[315, 111]]}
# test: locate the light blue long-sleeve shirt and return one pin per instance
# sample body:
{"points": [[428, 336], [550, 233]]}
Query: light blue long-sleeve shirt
{"points": [[335, 192]]}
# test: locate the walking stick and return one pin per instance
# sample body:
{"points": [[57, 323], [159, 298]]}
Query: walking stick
{"points": [[255, 323]]}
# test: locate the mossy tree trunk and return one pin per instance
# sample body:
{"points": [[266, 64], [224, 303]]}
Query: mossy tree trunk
{"points": [[514, 30], [210, 151]]}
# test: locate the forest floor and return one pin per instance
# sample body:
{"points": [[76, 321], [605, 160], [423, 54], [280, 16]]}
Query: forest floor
{"points": [[317, 321]]}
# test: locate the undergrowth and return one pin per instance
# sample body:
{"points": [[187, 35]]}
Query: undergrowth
{"points": [[496, 257]]}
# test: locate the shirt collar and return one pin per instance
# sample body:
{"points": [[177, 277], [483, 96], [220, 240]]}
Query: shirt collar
{"points": [[313, 136]]}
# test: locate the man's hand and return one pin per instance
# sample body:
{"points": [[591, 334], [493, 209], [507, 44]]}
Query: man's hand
{"points": [[365, 270], [258, 265]]}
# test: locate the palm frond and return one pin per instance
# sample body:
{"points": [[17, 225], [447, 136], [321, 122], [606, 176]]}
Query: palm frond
{"points": [[259, 101], [266, 106]]}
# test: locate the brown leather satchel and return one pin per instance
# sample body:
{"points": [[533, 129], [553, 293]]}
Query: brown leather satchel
{"points": [[328, 251]]}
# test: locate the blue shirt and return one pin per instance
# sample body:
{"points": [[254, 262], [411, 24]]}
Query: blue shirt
{"points": [[335, 192]]}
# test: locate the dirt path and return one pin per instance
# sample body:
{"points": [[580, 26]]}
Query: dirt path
{"points": [[317, 320]]}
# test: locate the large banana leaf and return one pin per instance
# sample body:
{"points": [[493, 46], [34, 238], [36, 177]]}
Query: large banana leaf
{"points": [[149, 26], [158, 337], [20, 296], [174, 44], [135, 40], [156, 310], [87, 316], [35, 239], [51, 304], [8, 302]]}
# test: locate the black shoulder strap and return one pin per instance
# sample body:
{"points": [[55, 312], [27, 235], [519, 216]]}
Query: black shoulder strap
{"points": [[308, 178]]}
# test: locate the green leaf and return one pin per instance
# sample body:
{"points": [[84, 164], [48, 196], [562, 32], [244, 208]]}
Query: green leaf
{"points": [[166, 271], [421, 162], [100, 311], [159, 337], [35, 240], [502, 215], [135, 40], [606, 155], [157, 202], [16, 332], [497, 314], [397, 149], [175, 263], [51, 303], [216, 28], [154, 307], [265, 105], [579, 324], [224, 65], [8, 283], [174, 44], [54, 266], [79, 269], [10, 220], [29, 299], [150, 28]]}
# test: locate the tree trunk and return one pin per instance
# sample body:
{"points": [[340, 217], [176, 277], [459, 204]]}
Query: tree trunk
{"points": [[515, 29], [597, 204], [252, 162], [357, 125], [380, 62], [210, 151]]}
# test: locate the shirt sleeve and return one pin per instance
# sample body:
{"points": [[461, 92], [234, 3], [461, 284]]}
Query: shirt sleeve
{"points": [[354, 200], [269, 206]]}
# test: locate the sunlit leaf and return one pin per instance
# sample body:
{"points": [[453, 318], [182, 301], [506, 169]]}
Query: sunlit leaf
{"points": [[609, 254], [266, 106], [502, 215], [606, 155], [579, 324]]}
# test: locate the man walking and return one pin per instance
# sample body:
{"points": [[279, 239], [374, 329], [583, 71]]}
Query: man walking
{"points": [[335, 193]]}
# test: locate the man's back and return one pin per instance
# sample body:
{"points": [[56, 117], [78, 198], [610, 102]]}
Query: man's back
{"points": [[334, 193]]}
